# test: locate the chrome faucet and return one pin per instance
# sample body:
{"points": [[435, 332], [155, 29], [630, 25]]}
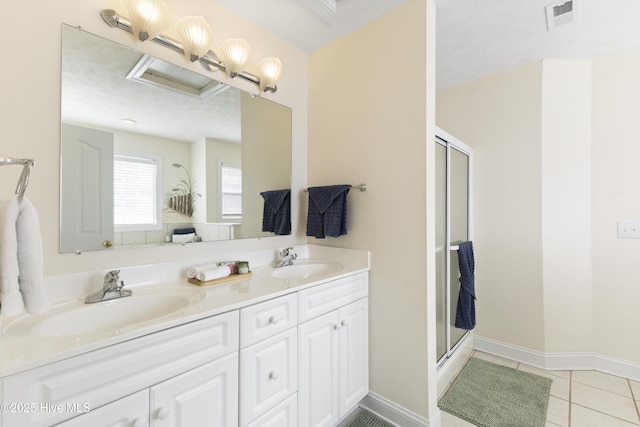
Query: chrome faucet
{"points": [[286, 258], [111, 289]]}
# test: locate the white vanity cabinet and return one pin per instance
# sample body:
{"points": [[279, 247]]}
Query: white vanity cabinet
{"points": [[64, 389], [333, 351]]}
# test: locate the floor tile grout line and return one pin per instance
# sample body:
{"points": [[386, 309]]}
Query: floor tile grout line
{"points": [[570, 391], [605, 414], [633, 397]]}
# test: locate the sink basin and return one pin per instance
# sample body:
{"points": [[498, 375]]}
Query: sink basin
{"points": [[306, 270], [78, 319]]}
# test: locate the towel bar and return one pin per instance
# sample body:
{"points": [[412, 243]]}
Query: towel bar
{"points": [[23, 182], [361, 187]]}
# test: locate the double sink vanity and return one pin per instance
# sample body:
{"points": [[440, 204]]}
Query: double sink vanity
{"points": [[283, 346]]}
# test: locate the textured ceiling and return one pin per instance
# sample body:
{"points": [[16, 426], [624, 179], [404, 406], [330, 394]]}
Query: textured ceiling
{"points": [[477, 38]]}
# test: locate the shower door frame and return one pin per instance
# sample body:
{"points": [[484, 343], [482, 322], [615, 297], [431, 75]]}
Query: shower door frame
{"points": [[450, 142]]}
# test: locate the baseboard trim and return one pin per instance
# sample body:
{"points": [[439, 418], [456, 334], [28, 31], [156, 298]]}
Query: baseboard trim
{"points": [[396, 414], [570, 361]]}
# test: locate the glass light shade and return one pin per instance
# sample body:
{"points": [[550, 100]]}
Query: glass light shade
{"points": [[235, 54], [270, 71], [196, 36], [148, 17]]}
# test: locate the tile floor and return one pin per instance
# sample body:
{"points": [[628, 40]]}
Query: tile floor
{"points": [[578, 398]]}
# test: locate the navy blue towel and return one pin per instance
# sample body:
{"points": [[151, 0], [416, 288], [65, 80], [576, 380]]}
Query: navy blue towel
{"points": [[184, 230], [466, 310], [276, 215], [327, 213]]}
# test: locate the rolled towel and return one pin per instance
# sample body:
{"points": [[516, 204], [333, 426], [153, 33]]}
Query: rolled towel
{"points": [[183, 238], [193, 271], [214, 273]]}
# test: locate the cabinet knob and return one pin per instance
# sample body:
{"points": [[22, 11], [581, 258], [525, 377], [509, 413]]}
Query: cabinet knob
{"points": [[162, 412], [344, 322], [140, 422], [274, 320], [273, 375], [336, 326]]}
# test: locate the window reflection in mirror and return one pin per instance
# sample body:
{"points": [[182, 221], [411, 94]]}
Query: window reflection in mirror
{"points": [[215, 148]]}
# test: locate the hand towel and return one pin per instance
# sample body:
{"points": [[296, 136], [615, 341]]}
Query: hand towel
{"points": [[31, 278], [276, 214], [187, 230], [327, 212], [10, 298], [466, 309], [193, 271], [214, 273], [183, 238]]}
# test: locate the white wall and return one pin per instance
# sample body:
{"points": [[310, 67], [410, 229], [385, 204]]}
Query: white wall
{"points": [[30, 114], [615, 196], [500, 118], [568, 164], [368, 123]]}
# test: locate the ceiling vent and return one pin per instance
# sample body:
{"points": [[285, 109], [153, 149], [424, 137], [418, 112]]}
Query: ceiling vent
{"points": [[561, 14], [156, 72]]}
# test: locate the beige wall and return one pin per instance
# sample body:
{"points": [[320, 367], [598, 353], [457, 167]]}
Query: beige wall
{"points": [[550, 182], [615, 196], [500, 118], [30, 114], [367, 123]]}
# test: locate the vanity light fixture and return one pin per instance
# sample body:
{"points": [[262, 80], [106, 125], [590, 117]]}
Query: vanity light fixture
{"points": [[150, 17], [235, 53], [196, 36]]}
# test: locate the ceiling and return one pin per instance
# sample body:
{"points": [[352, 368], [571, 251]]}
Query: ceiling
{"points": [[474, 38]]}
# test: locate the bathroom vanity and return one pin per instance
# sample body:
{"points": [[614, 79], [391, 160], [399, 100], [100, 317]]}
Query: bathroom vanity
{"points": [[286, 347]]}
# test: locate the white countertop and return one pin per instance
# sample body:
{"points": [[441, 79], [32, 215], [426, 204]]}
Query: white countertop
{"points": [[19, 352]]}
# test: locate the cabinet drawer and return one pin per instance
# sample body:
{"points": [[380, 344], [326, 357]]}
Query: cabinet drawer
{"points": [[264, 320], [283, 415], [318, 300], [268, 375], [124, 412], [101, 376]]}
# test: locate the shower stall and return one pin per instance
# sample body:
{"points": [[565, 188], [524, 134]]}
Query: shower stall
{"points": [[453, 226]]}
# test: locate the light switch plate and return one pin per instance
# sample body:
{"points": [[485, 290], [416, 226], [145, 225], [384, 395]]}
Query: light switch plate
{"points": [[629, 229]]}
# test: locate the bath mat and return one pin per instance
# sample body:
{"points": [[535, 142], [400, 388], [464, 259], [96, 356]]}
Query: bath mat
{"points": [[490, 395], [367, 419]]}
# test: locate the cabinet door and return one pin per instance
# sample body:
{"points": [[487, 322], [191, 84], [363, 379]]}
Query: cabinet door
{"points": [[130, 411], [269, 374], [318, 371], [354, 355], [203, 397]]}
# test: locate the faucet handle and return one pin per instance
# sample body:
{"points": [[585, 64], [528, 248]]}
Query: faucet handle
{"points": [[112, 276], [285, 252]]}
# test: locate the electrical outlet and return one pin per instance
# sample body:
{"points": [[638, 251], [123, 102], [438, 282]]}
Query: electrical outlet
{"points": [[629, 229]]}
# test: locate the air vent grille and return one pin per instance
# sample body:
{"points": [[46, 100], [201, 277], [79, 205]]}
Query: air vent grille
{"points": [[561, 14]]}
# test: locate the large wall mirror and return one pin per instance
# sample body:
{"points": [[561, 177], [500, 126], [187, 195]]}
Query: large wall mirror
{"points": [[155, 154]]}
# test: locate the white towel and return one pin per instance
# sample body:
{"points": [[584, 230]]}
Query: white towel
{"points": [[31, 278], [10, 298], [214, 273], [193, 271], [183, 238]]}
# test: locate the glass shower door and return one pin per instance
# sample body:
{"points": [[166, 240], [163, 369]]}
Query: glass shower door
{"points": [[452, 228]]}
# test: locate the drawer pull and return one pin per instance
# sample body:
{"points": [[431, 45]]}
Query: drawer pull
{"points": [[140, 422], [162, 412], [274, 320], [273, 375]]}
